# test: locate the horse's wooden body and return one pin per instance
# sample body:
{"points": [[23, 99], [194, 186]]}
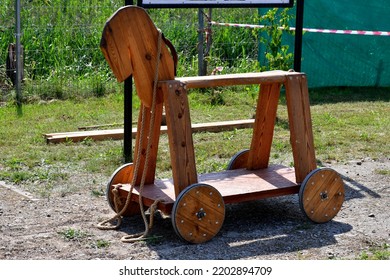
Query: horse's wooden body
{"points": [[130, 45]]}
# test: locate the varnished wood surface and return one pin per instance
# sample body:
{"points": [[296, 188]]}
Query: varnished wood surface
{"points": [[234, 185], [141, 145], [267, 77], [181, 144], [263, 129], [300, 124], [123, 174], [130, 45], [239, 160], [322, 195], [198, 213]]}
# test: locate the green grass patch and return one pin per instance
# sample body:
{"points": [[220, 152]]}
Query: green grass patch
{"points": [[376, 253], [385, 172], [100, 244], [343, 131], [72, 234]]}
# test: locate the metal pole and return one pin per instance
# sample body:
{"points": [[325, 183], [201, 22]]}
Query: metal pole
{"points": [[127, 127], [128, 112], [298, 35], [201, 69], [18, 59]]}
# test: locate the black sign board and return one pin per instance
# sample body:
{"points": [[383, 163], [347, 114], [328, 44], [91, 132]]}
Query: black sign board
{"points": [[213, 3]]}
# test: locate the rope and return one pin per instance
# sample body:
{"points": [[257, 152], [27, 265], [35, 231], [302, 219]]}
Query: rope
{"points": [[118, 217]]}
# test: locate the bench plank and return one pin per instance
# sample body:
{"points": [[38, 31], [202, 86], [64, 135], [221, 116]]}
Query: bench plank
{"points": [[268, 77]]}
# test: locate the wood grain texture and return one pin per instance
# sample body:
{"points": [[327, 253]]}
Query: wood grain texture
{"points": [[267, 77], [301, 133], [239, 160], [235, 186], [179, 135], [198, 213], [130, 46], [263, 129], [322, 195], [143, 143], [122, 175]]}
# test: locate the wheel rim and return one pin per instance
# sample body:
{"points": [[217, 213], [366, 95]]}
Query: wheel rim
{"points": [[321, 195], [198, 213], [239, 160], [122, 175]]}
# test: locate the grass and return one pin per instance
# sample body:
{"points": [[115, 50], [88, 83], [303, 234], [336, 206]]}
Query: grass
{"points": [[61, 40], [376, 252], [72, 234], [76, 235], [385, 172], [343, 130]]}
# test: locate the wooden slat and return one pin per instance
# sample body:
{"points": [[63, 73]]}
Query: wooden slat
{"points": [[77, 136], [302, 142], [263, 130], [148, 126], [117, 134], [267, 77], [179, 135]]}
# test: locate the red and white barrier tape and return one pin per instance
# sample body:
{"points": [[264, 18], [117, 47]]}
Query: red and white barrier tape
{"points": [[314, 30]]}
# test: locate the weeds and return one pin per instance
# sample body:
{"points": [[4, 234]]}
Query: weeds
{"points": [[62, 59], [381, 252], [72, 234], [79, 236], [278, 56], [100, 244], [385, 172], [98, 192]]}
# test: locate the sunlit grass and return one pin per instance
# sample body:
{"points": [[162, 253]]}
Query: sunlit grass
{"points": [[342, 131]]}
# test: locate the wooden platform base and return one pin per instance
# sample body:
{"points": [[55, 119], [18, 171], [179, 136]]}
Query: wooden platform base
{"points": [[234, 185]]}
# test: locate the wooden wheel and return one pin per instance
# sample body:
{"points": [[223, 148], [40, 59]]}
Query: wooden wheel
{"points": [[321, 195], [198, 213], [122, 175], [239, 160]]}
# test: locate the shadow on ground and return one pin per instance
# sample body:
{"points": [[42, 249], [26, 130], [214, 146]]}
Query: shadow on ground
{"points": [[258, 229]]}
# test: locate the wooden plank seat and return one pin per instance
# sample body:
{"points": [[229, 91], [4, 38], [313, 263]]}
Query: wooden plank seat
{"points": [[234, 185], [268, 77]]}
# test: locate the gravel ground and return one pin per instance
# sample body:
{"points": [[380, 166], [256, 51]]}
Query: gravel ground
{"points": [[64, 226]]}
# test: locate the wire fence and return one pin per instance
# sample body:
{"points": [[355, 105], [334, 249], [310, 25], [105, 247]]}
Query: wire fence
{"points": [[62, 59]]}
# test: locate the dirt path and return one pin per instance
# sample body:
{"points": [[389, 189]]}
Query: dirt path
{"points": [[268, 229]]}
